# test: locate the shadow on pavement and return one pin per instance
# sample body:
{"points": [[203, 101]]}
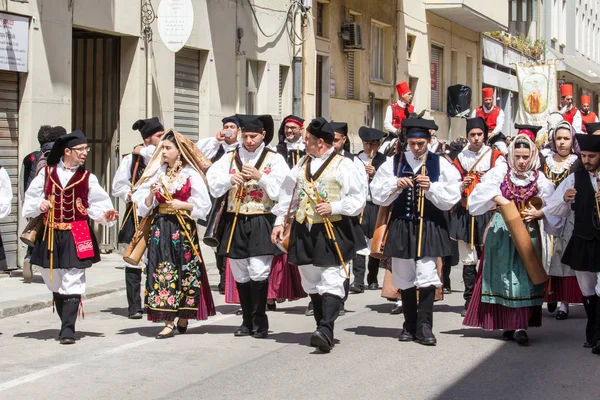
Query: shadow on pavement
{"points": [[213, 329], [120, 311], [52, 334], [145, 331], [374, 331], [447, 308], [384, 308], [227, 308], [298, 310], [553, 366]]}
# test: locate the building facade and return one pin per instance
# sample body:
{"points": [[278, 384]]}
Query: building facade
{"points": [[90, 67]]}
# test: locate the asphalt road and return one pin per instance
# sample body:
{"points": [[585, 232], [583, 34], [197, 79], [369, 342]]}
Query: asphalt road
{"points": [[117, 358]]}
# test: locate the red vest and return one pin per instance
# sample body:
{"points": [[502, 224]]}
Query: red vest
{"points": [[495, 155], [570, 115], [588, 118], [489, 118], [399, 113], [71, 202], [183, 193]]}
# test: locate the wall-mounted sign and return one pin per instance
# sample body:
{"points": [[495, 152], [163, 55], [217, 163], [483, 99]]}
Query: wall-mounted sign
{"points": [[14, 42], [175, 23]]}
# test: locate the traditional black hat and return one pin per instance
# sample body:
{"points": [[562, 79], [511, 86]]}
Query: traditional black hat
{"points": [[232, 119], [320, 128], [64, 142], [148, 127], [289, 118], [257, 123], [588, 142], [529, 130], [367, 134], [418, 128], [339, 127], [477, 123], [592, 127]]}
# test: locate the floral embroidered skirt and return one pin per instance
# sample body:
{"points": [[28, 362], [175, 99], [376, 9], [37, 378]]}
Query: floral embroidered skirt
{"points": [[177, 284]]}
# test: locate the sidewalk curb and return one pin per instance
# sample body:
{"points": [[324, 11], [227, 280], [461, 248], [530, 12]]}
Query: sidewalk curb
{"points": [[93, 292]]}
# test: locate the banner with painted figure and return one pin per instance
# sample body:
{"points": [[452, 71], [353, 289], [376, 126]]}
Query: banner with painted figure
{"points": [[537, 94]]}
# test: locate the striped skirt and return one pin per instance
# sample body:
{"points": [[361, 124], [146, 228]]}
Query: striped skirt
{"points": [[563, 288], [284, 282]]}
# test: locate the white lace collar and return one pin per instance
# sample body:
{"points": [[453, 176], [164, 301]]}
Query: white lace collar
{"points": [[529, 177], [566, 165], [178, 183]]}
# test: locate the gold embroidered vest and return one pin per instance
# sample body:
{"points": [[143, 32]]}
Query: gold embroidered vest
{"points": [[254, 199], [325, 184]]}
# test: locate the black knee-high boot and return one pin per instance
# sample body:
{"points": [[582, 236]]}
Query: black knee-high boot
{"points": [[221, 268], [446, 268], [596, 340], [409, 309], [245, 295], [373, 267], [133, 282], [317, 304], [425, 316], [58, 304], [358, 269], [260, 321], [70, 308], [469, 277], [590, 304], [322, 338]]}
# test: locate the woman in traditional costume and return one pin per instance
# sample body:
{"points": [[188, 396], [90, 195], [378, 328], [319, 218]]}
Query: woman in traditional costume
{"points": [[504, 296], [174, 188], [562, 160]]}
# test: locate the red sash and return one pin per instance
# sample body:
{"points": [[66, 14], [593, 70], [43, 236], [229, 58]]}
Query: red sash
{"points": [[82, 239]]}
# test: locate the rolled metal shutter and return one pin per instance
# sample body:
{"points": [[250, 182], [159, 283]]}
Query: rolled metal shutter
{"points": [[187, 95], [436, 84], [9, 157]]}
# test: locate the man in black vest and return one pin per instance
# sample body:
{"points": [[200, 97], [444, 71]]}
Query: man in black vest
{"points": [[577, 196], [372, 160], [418, 186], [130, 170]]}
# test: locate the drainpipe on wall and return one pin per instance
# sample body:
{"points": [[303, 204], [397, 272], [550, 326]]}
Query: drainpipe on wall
{"points": [[297, 88]]}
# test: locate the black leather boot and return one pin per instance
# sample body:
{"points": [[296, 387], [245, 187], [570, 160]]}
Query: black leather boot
{"points": [[58, 303], [409, 309], [220, 260], [469, 276], [133, 282], [590, 304], [317, 306], [245, 294], [322, 338], [358, 268], [596, 340], [373, 267], [70, 308], [424, 333], [446, 269], [260, 321]]}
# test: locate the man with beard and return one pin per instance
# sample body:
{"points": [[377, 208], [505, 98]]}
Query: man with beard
{"points": [[587, 115], [569, 112], [290, 145]]}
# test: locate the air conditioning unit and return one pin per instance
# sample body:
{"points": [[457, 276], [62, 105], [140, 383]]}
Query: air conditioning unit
{"points": [[351, 36]]}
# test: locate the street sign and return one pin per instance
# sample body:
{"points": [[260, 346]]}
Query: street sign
{"points": [[175, 23]]}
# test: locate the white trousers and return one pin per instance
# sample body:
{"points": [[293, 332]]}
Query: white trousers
{"points": [[65, 281], [254, 268], [467, 255], [407, 273], [323, 280], [589, 282]]}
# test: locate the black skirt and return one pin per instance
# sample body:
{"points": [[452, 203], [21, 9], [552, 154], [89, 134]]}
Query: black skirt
{"points": [[460, 225], [314, 247], [128, 228], [177, 284], [65, 252], [369, 219], [403, 235], [582, 255], [251, 237]]}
